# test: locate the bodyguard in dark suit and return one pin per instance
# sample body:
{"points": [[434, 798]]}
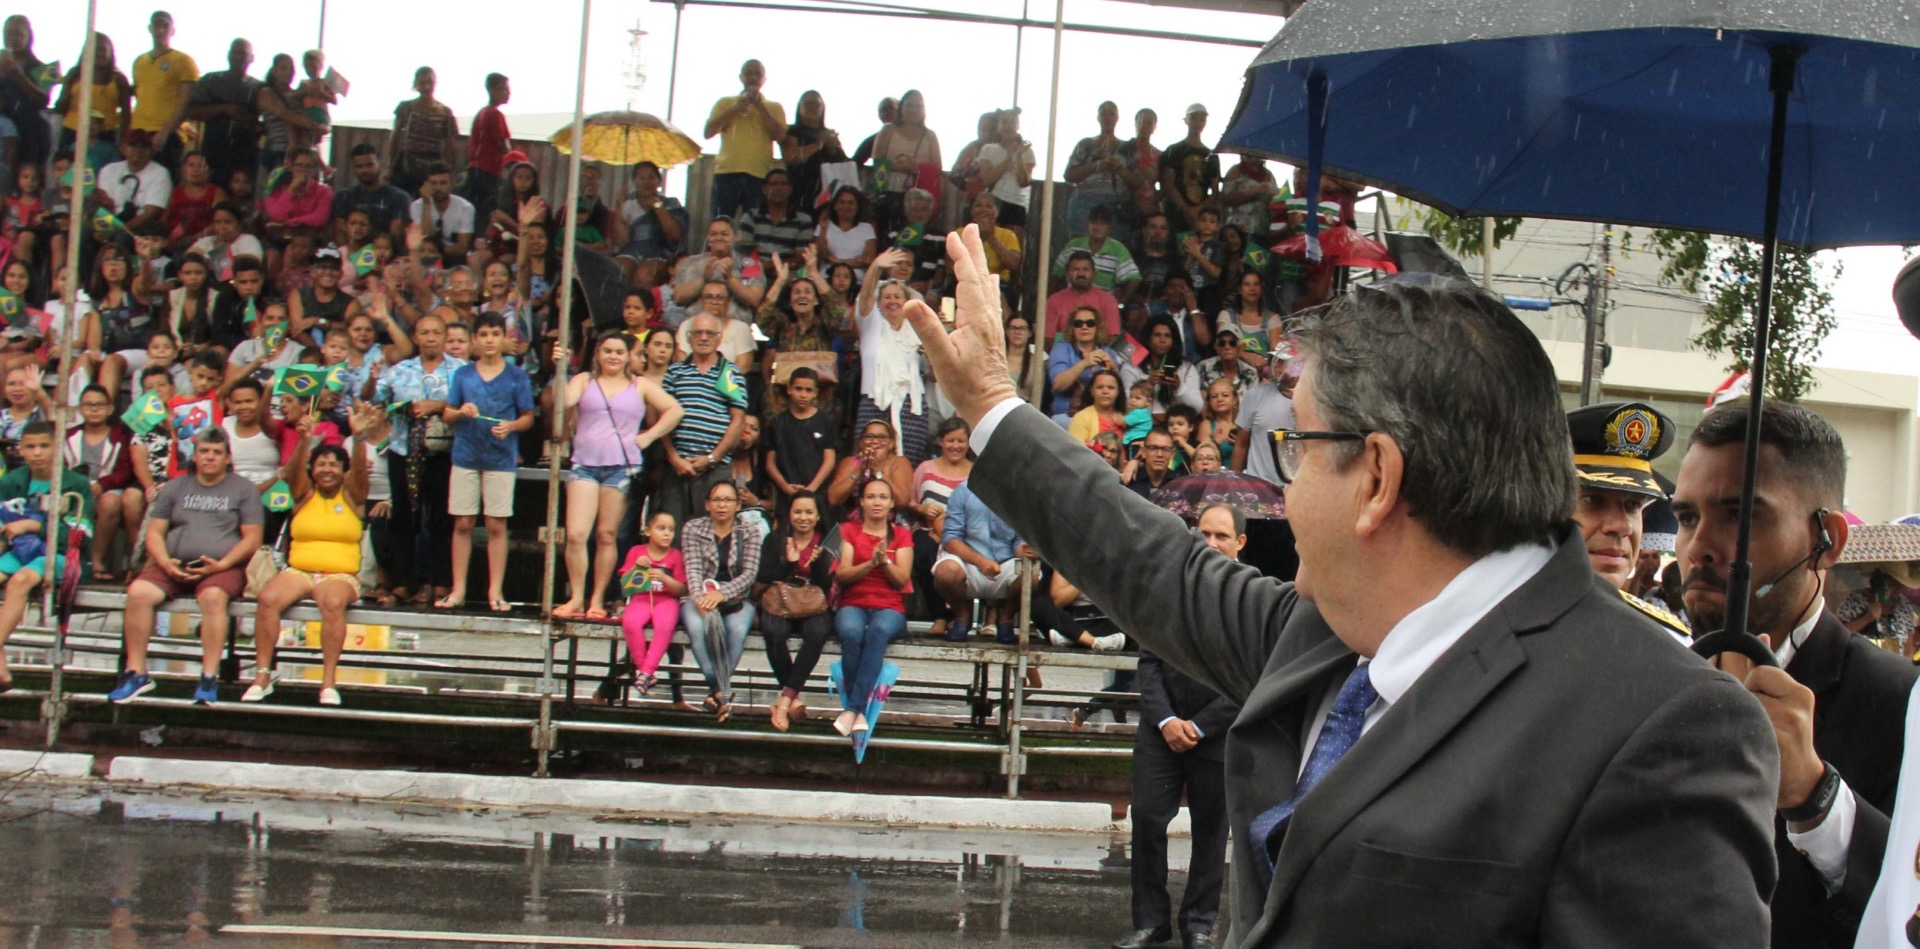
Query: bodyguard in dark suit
{"points": [[1452, 733], [1181, 746], [1839, 708]]}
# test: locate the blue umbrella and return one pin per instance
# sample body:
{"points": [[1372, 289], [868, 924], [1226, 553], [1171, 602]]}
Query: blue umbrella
{"points": [[1790, 123]]}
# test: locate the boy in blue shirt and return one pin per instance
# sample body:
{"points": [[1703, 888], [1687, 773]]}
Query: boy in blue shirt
{"points": [[489, 402]]}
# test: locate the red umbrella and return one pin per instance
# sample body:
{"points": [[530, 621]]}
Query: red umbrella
{"points": [[1255, 498]]}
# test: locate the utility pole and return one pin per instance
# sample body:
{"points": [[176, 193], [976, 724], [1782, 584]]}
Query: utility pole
{"points": [[1599, 282]]}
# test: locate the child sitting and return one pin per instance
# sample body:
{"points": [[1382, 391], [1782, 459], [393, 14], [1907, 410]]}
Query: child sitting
{"points": [[654, 578], [1139, 415]]}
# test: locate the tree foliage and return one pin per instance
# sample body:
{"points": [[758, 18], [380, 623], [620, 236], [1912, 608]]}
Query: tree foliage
{"points": [[1725, 275], [1463, 235]]}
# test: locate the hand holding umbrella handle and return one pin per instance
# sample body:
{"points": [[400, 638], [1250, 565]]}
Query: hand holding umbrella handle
{"points": [[1745, 644]]}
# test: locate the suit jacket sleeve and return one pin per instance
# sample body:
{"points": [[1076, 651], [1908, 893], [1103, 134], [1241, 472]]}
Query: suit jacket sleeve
{"points": [[1864, 855], [1210, 617], [1216, 717], [1156, 705], [1635, 879]]}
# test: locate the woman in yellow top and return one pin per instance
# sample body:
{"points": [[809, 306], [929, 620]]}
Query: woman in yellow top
{"points": [[111, 109], [323, 556]]}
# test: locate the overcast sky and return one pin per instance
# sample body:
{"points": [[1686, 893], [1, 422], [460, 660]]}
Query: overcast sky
{"points": [[853, 60]]}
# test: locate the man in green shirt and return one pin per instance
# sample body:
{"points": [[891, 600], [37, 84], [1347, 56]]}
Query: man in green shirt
{"points": [[26, 485], [1113, 267]]}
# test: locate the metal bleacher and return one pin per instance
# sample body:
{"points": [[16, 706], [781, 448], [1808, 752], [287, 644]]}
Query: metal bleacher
{"points": [[548, 672]]}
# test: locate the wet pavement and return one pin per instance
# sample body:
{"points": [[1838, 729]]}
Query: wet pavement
{"points": [[109, 868]]}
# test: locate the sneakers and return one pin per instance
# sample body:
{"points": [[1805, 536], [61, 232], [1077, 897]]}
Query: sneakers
{"points": [[129, 686], [957, 633], [1007, 635], [207, 692], [1111, 642], [330, 696], [1054, 637]]}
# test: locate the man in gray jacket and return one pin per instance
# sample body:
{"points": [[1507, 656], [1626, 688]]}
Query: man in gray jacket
{"points": [[1452, 733]]}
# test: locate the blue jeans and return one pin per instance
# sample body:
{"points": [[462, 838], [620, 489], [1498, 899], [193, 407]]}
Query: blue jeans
{"points": [[737, 192], [864, 637], [717, 645]]}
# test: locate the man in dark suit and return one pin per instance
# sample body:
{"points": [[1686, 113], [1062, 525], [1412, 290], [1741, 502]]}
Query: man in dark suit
{"points": [[1181, 746], [1452, 733], [1838, 702]]}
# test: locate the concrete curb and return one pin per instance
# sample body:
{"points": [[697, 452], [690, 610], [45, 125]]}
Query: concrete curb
{"points": [[46, 764], [635, 798]]}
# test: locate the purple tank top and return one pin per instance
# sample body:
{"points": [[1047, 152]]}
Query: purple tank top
{"points": [[606, 429]]}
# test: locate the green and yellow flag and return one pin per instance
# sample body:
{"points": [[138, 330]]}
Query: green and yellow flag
{"points": [[337, 377], [273, 336], [364, 260], [302, 381], [730, 386], [911, 235], [86, 178], [251, 313], [47, 76], [13, 309], [638, 580], [146, 412], [105, 223], [279, 497]]}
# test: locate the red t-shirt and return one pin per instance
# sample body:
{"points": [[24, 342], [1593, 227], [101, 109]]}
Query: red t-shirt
{"points": [[487, 145], [873, 591]]}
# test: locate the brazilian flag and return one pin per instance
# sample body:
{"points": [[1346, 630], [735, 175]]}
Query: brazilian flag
{"points": [[1257, 258], [1256, 344], [337, 377], [638, 580], [364, 260], [13, 309], [251, 313], [145, 412], [730, 385], [104, 223], [47, 76], [302, 381], [279, 497], [86, 177], [273, 336], [911, 235]]}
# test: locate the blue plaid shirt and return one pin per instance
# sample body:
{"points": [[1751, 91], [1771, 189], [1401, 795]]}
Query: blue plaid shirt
{"points": [[408, 381]]}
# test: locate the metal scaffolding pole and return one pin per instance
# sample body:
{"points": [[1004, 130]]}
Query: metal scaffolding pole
{"points": [[54, 708], [543, 742], [1037, 315], [673, 66]]}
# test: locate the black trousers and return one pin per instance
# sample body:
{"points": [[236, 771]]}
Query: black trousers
{"points": [[1160, 776], [419, 538], [792, 670]]}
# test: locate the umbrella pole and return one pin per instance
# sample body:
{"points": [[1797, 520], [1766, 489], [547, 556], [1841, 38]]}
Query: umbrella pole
{"points": [[557, 435], [1740, 576]]}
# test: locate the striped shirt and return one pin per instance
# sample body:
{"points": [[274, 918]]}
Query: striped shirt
{"points": [[708, 396], [1112, 263], [756, 232]]}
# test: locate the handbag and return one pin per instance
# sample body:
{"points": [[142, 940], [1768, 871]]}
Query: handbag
{"points": [[794, 598]]}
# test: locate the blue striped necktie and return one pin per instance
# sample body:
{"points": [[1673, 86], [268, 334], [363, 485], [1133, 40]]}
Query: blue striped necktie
{"points": [[1337, 736]]}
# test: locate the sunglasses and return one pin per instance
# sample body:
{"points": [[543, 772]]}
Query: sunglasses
{"points": [[1083, 323]]}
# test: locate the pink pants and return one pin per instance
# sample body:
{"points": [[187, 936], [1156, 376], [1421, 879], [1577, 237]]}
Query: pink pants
{"points": [[663, 612]]}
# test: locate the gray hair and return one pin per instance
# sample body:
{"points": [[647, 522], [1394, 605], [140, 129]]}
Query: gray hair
{"points": [[213, 435], [1466, 392], [918, 196]]}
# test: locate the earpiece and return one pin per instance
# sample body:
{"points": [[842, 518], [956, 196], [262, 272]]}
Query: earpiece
{"points": [[1824, 540]]}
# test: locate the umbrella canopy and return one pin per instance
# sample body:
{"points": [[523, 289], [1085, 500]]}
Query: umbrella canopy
{"points": [[1893, 549], [1654, 113], [1256, 499], [628, 138]]}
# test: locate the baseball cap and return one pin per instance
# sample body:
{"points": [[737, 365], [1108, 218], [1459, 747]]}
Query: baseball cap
{"points": [[328, 252], [1199, 107]]}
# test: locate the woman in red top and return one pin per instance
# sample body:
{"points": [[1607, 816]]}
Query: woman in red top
{"points": [[190, 212], [876, 560]]}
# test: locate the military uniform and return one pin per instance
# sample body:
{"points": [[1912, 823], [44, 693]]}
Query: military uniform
{"points": [[1614, 445]]}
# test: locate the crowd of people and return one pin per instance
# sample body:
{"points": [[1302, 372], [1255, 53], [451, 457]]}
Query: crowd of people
{"points": [[725, 435]]}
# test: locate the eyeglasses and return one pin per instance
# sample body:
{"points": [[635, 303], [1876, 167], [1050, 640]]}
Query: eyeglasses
{"points": [[1290, 446], [717, 297], [1080, 323], [96, 405]]}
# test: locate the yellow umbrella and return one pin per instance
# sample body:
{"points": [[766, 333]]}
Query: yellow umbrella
{"points": [[628, 138]]}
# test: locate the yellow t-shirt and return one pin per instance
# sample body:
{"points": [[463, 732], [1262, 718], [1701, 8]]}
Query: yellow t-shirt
{"points": [[157, 87], [745, 145], [1010, 241], [326, 535], [106, 106]]}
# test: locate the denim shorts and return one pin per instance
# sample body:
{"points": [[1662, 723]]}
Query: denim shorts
{"points": [[617, 477]]}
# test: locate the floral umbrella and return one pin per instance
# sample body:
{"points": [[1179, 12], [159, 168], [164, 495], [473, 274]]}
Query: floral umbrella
{"points": [[1256, 499], [628, 138]]}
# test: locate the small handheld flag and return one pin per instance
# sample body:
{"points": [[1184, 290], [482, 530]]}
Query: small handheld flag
{"points": [[912, 235], [47, 76], [364, 260], [86, 178], [302, 381], [105, 223], [336, 380], [638, 580], [251, 313], [13, 309], [273, 336], [279, 497], [730, 386], [145, 413]]}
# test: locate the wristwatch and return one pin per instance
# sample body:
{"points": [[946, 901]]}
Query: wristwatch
{"points": [[1818, 803]]}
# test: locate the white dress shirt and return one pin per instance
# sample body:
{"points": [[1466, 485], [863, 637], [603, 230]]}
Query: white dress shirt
{"points": [[1424, 635], [1826, 844]]}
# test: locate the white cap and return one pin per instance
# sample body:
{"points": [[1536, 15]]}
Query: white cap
{"points": [[1199, 107]]}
